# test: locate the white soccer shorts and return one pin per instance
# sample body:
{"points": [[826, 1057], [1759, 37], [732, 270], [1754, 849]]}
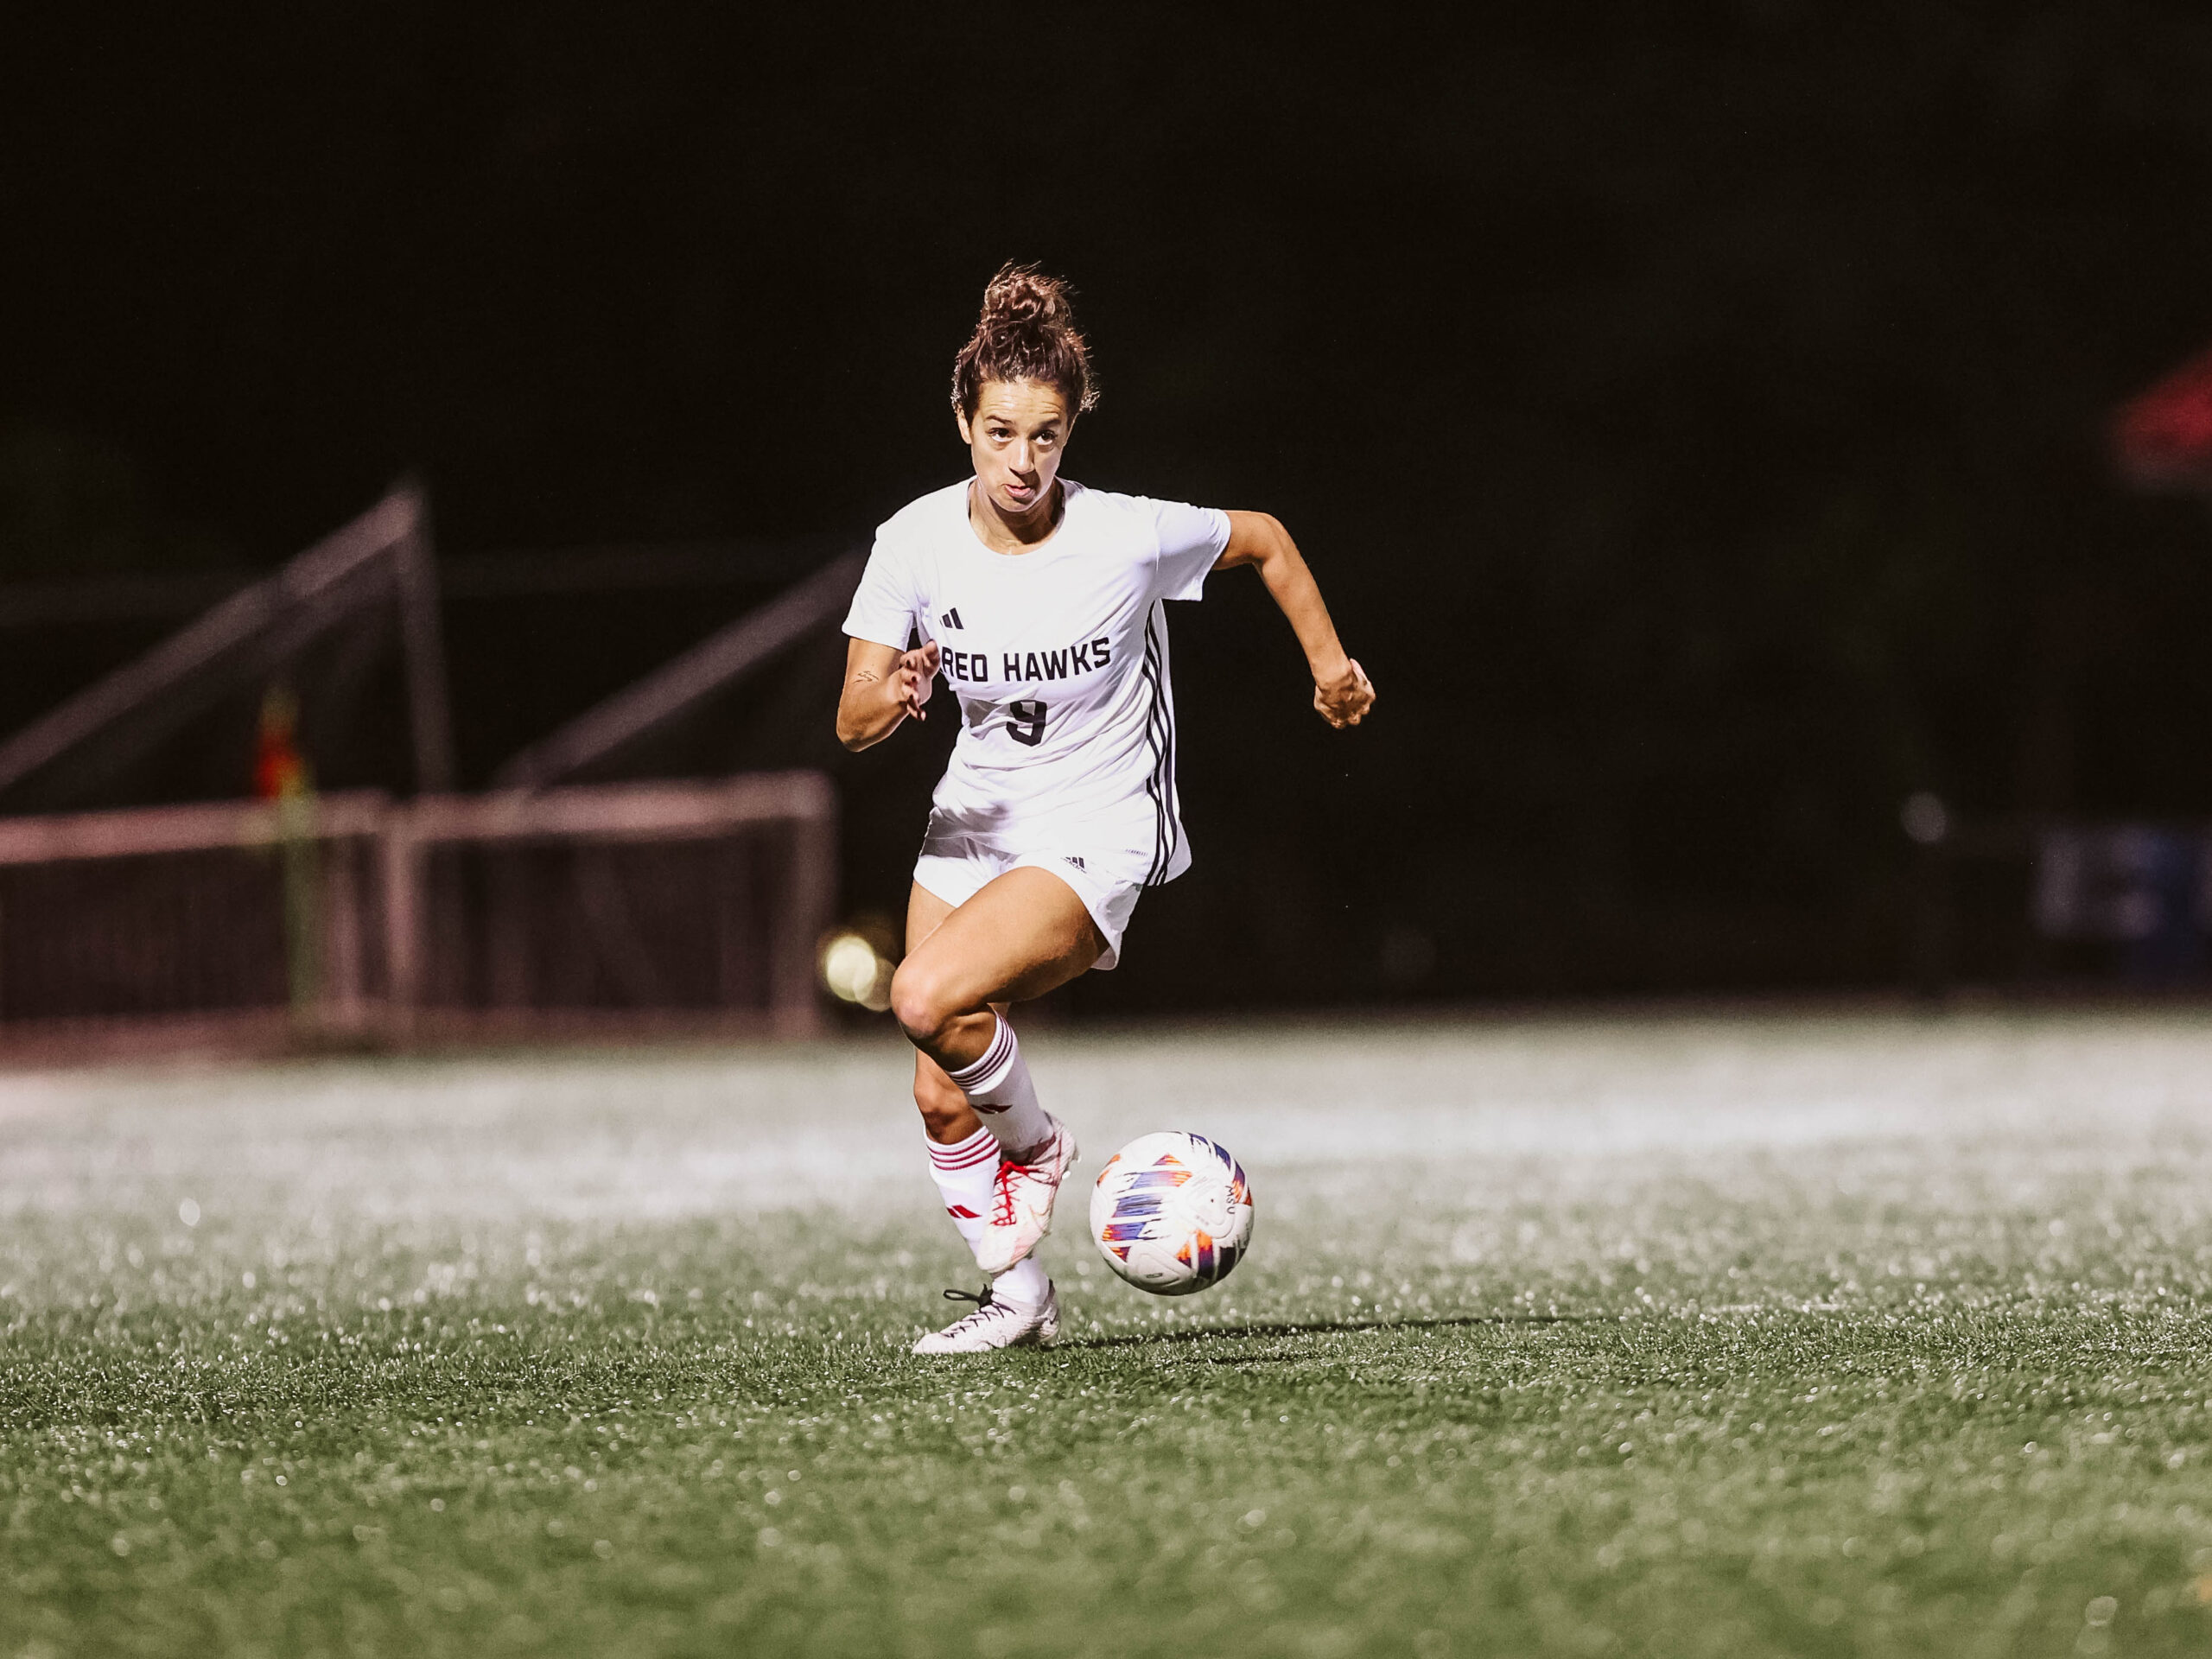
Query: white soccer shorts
{"points": [[1109, 881]]}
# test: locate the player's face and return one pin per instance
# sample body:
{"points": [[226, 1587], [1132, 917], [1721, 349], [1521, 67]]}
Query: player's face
{"points": [[1016, 435]]}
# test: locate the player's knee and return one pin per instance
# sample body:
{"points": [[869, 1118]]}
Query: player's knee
{"points": [[919, 1004]]}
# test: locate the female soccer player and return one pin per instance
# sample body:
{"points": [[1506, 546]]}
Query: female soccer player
{"points": [[1040, 602]]}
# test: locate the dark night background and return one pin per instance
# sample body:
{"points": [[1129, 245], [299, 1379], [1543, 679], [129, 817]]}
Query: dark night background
{"points": [[1695, 412]]}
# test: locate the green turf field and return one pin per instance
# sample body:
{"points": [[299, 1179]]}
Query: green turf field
{"points": [[1663, 1337]]}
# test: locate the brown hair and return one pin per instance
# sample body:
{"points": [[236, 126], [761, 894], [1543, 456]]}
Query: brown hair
{"points": [[1027, 333]]}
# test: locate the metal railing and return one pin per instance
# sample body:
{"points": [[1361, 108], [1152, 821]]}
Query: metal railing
{"points": [[607, 908]]}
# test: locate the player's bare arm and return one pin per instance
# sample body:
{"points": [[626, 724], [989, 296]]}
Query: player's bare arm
{"points": [[882, 688], [1342, 691]]}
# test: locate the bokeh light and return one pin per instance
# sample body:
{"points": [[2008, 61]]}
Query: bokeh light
{"points": [[855, 971]]}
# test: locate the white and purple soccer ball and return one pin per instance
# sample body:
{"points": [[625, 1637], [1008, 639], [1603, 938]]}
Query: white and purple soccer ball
{"points": [[1171, 1212]]}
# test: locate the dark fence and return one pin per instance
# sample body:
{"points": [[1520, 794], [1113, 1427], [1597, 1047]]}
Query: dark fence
{"points": [[603, 908]]}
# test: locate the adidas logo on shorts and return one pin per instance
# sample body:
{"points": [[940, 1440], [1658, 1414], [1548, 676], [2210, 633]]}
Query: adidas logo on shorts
{"points": [[1072, 859]]}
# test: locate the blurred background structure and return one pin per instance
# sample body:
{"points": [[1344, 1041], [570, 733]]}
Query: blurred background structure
{"points": [[1702, 418]]}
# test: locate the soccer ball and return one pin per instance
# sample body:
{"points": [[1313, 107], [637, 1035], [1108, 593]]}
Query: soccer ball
{"points": [[1171, 1212]]}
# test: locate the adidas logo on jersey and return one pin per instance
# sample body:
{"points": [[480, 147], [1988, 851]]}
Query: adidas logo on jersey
{"points": [[951, 619], [1071, 858]]}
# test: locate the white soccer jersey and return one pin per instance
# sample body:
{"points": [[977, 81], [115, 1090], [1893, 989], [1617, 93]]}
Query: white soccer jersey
{"points": [[1058, 660]]}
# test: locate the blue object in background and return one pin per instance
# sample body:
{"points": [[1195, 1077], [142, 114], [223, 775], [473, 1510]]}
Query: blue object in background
{"points": [[2140, 886]]}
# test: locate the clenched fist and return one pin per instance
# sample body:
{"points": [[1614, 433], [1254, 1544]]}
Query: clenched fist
{"points": [[1343, 699]]}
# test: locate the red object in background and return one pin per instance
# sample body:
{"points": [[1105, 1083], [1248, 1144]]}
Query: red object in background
{"points": [[278, 772], [277, 769], [2163, 438]]}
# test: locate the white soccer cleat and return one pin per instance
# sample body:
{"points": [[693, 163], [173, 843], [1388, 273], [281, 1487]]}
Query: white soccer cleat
{"points": [[1022, 1201], [995, 1324]]}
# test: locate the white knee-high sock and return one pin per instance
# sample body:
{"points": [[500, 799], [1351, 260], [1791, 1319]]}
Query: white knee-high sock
{"points": [[1022, 1285], [965, 1172], [998, 1087]]}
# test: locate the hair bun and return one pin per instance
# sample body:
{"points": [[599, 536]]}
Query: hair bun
{"points": [[1027, 333], [1023, 296]]}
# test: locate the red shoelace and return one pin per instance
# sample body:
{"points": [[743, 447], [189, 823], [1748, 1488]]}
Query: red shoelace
{"points": [[1002, 1195]]}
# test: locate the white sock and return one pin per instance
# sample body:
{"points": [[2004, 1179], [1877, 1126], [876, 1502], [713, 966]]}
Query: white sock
{"points": [[965, 1171], [998, 1087], [1023, 1285]]}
